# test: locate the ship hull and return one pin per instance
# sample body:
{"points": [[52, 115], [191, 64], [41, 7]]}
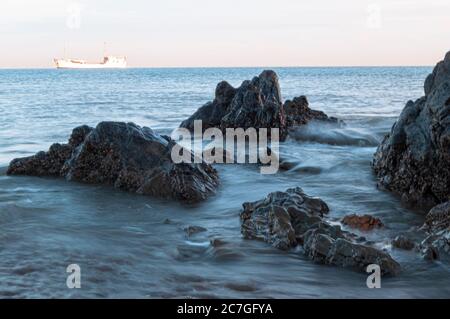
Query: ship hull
{"points": [[78, 64]]}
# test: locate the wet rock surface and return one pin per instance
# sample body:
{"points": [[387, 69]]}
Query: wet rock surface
{"points": [[212, 113], [362, 222], [298, 113], [438, 218], [291, 218], [413, 160], [334, 248], [124, 155], [437, 225], [256, 103], [403, 242]]}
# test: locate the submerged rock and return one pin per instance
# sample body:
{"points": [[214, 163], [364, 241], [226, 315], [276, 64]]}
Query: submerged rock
{"points": [[333, 248], [414, 158], [191, 230], [364, 222], [124, 155], [403, 242], [291, 218], [255, 104]]}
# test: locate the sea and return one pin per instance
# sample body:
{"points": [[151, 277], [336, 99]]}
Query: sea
{"points": [[134, 246]]}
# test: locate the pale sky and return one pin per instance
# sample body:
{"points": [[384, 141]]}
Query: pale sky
{"points": [[172, 33]]}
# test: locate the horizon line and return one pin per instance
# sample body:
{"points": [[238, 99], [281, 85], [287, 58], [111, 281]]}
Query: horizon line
{"points": [[227, 67]]}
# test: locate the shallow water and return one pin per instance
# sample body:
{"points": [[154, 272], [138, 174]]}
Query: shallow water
{"points": [[134, 246]]}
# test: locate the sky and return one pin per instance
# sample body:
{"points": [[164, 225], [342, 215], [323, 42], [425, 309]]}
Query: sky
{"points": [[211, 33]]}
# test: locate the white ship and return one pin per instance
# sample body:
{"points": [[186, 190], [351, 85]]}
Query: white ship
{"points": [[109, 62]]}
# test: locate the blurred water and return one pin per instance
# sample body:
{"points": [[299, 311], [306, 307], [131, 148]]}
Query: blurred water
{"points": [[135, 246]]}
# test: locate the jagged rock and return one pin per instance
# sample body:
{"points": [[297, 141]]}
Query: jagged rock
{"points": [[280, 216], [438, 218], [124, 155], [298, 112], [256, 103], [43, 163], [212, 113], [291, 218], [335, 249], [429, 252], [436, 245], [364, 222], [414, 158], [403, 242], [437, 225]]}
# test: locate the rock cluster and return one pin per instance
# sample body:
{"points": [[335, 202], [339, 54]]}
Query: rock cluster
{"points": [[256, 103], [124, 155], [413, 160], [291, 218]]}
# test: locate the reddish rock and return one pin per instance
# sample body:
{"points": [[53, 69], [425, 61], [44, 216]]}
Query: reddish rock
{"points": [[363, 222]]}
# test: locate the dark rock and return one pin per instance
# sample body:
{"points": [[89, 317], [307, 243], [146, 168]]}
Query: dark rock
{"points": [[43, 163], [438, 218], [429, 253], [442, 243], [126, 156], [403, 242], [212, 112], [436, 246], [217, 242], [291, 218], [414, 158], [191, 230], [287, 165], [49, 163], [437, 225], [255, 104], [364, 222], [270, 219], [298, 113], [332, 249]]}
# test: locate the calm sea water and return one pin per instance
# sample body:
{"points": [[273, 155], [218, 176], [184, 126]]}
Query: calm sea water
{"points": [[134, 246]]}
